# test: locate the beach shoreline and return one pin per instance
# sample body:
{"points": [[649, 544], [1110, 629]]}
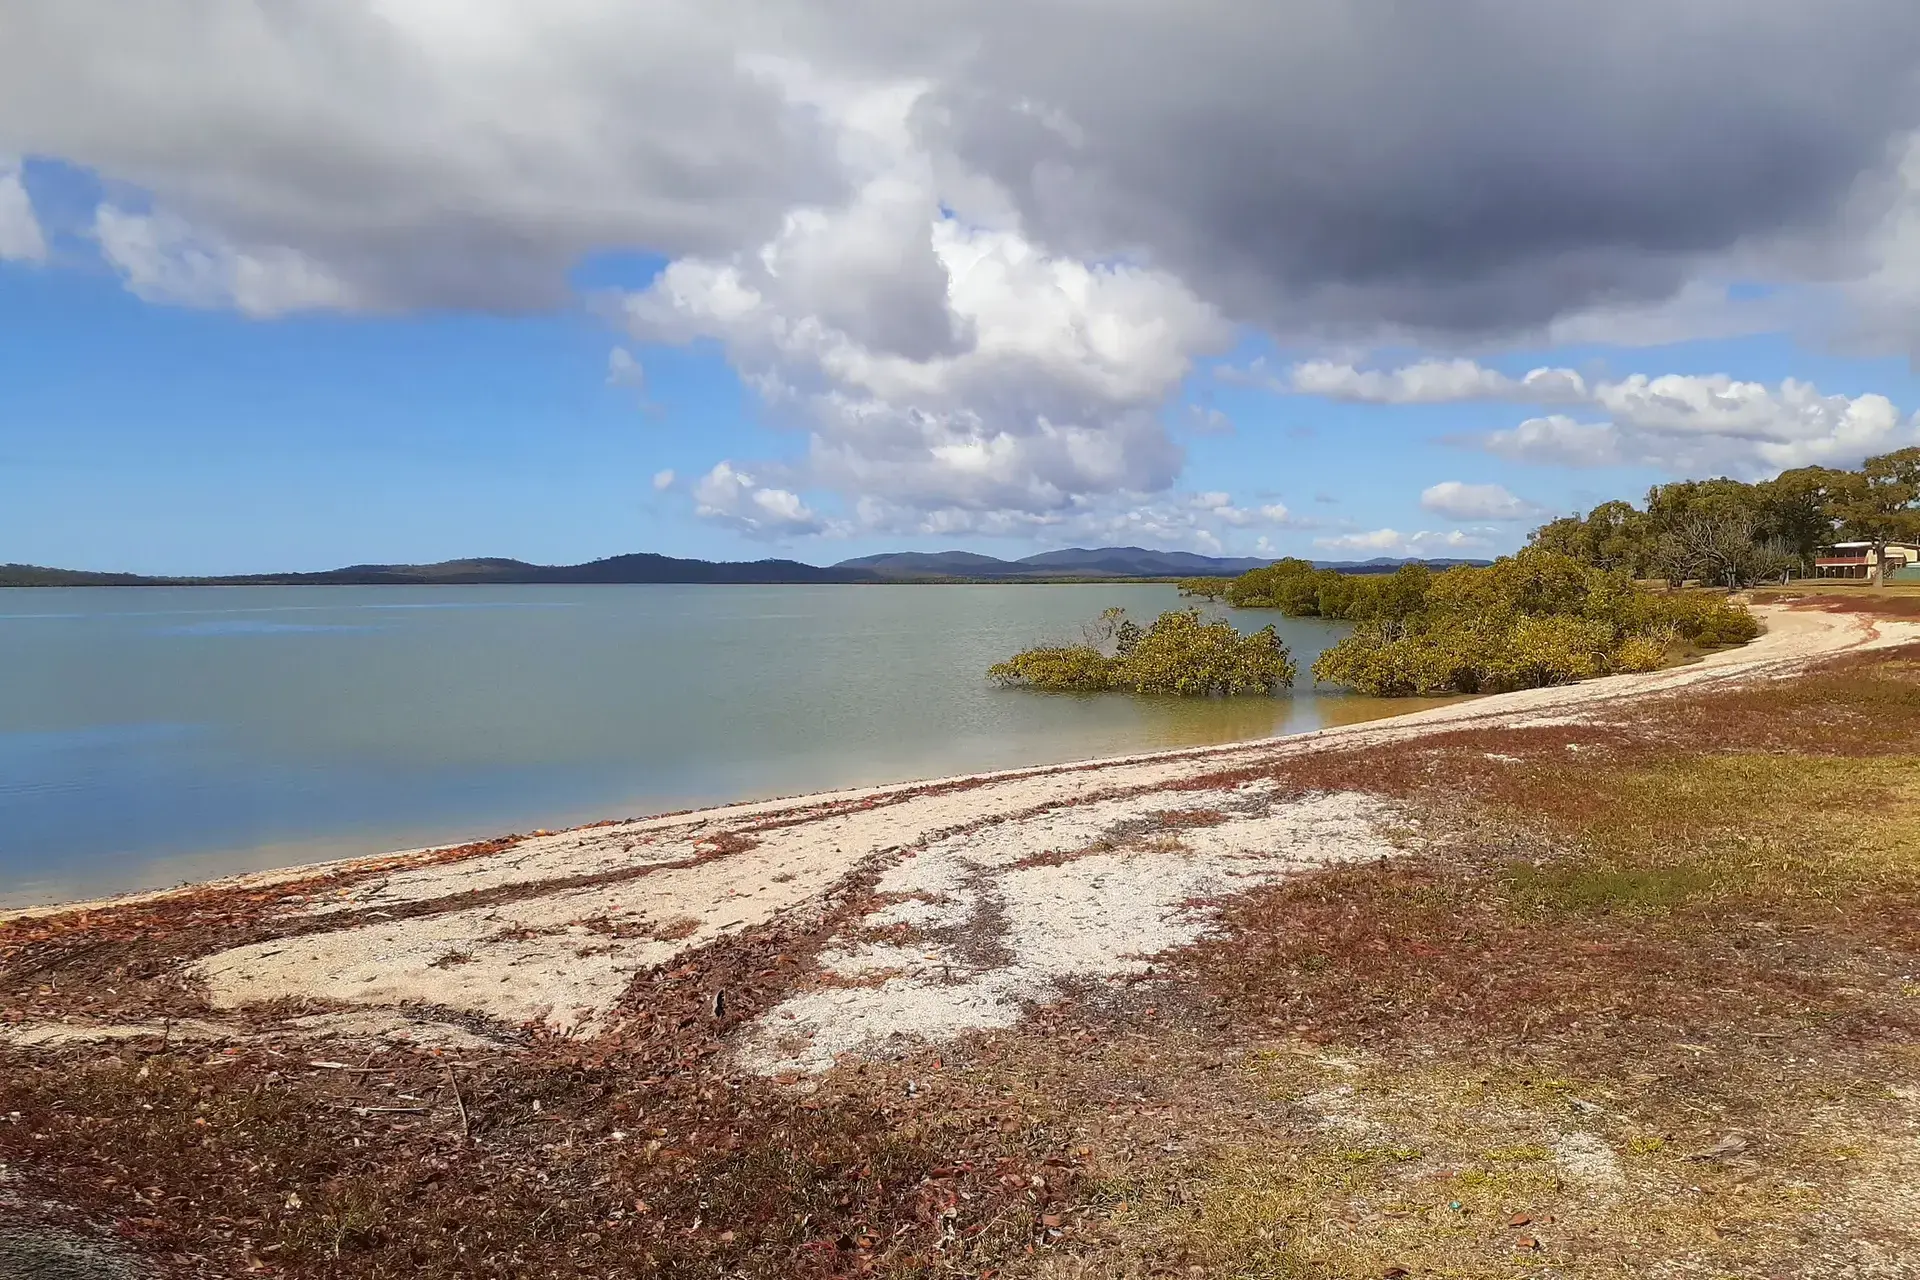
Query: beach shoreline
{"points": [[1791, 637], [549, 930], [1433, 954]]}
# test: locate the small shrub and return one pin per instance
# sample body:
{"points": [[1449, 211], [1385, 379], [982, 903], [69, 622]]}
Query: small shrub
{"points": [[1181, 654], [1074, 668], [1178, 654], [1553, 649], [1646, 652]]}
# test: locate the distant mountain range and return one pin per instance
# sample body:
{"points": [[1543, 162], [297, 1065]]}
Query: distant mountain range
{"points": [[1078, 562], [1074, 563]]}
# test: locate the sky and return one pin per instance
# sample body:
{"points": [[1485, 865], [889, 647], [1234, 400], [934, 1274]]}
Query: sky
{"points": [[294, 284]]}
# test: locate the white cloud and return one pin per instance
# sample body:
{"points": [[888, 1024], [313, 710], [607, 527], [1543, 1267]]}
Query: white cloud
{"points": [[1219, 506], [969, 263], [420, 153], [624, 370], [20, 236], [1203, 522], [732, 497], [1675, 422], [1459, 501], [1793, 416], [1431, 382], [1559, 440], [663, 480], [941, 366], [1695, 424], [1393, 543], [162, 259]]}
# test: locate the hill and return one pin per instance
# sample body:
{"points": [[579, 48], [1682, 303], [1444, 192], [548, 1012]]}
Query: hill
{"points": [[1097, 562], [1074, 563], [640, 567]]}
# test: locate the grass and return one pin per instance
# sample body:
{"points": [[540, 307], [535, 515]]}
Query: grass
{"points": [[1892, 599], [1651, 1004]]}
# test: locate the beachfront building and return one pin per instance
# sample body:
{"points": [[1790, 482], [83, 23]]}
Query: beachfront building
{"points": [[1856, 559]]}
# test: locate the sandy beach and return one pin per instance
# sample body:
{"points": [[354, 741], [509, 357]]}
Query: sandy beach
{"points": [[1003, 886]]}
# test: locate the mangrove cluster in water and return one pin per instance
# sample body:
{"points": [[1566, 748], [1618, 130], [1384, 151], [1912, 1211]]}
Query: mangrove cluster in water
{"points": [[1529, 620], [1179, 653]]}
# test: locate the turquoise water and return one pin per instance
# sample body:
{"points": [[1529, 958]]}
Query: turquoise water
{"points": [[153, 735]]}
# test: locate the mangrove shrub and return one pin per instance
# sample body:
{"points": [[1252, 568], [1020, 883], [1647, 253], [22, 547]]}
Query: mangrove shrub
{"points": [[1537, 618], [1179, 654]]}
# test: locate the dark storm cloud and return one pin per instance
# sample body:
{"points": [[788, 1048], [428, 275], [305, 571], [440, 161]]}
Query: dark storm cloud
{"points": [[1458, 167], [1470, 165]]}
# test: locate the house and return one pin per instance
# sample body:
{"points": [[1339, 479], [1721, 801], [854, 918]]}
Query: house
{"points": [[1856, 559]]}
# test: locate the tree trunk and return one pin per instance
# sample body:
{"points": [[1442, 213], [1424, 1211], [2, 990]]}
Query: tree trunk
{"points": [[1879, 564]]}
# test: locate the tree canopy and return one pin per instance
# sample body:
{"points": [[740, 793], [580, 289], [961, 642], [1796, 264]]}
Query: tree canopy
{"points": [[1537, 618], [1733, 533]]}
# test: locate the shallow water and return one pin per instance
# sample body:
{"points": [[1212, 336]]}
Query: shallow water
{"points": [[153, 735]]}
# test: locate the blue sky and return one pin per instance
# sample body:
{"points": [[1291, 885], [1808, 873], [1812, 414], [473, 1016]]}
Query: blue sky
{"points": [[257, 323], [155, 438]]}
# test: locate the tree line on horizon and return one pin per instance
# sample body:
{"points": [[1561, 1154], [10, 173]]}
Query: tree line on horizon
{"points": [[1735, 534]]}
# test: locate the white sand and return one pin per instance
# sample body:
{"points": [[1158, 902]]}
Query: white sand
{"points": [[541, 956], [1001, 936]]}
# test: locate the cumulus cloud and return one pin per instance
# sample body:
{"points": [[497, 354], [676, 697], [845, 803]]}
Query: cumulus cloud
{"points": [[1203, 522], [1460, 501], [1559, 440], [1432, 382], [663, 480], [970, 251], [1219, 506], [1306, 166], [947, 372], [420, 153], [1393, 543], [625, 370], [20, 237], [734, 498], [1675, 422], [1690, 425], [164, 260]]}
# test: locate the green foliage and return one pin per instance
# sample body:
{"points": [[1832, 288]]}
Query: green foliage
{"points": [[1285, 584], [1205, 588], [1178, 654], [1645, 652], [1534, 619], [1073, 668], [1299, 590], [1703, 618], [1736, 534], [1181, 654]]}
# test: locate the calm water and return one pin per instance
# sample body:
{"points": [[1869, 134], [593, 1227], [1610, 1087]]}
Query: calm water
{"points": [[151, 735]]}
